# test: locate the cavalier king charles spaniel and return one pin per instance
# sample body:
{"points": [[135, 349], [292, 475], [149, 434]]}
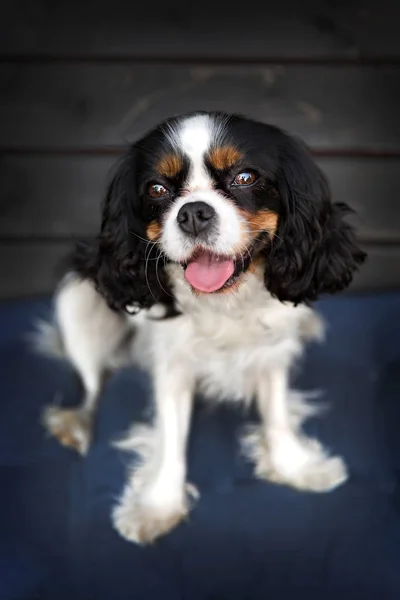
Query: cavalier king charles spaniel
{"points": [[217, 234]]}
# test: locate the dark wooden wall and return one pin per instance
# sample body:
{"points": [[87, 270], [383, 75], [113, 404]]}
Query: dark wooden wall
{"points": [[79, 80]]}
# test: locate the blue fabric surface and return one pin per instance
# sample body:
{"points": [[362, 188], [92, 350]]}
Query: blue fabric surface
{"points": [[245, 539]]}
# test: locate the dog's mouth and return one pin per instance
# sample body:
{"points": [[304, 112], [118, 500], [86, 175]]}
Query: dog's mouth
{"points": [[208, 272]]}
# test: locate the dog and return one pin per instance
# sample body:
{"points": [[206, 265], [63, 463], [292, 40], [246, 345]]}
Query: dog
{"points": [[217, 234]]}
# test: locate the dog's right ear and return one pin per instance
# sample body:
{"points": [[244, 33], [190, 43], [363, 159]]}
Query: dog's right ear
{"points": [[117, 261]]}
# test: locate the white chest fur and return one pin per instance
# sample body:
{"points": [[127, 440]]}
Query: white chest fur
{"points": [[226, 341]]}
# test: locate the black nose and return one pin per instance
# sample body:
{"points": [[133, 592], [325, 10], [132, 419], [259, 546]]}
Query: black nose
{"points": [[195, 217]]}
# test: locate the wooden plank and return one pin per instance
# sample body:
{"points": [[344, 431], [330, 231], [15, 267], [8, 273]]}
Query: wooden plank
{"points": [[370, 186], [45, 196], [30, 268], [287, 28], [61, 196], [381, 271], [94, 105]]}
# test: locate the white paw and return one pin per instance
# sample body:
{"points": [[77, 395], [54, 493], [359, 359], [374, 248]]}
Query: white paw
{"points": [[320, 476], [296, 461], [72, 427], [139, 518], [302, 463]]}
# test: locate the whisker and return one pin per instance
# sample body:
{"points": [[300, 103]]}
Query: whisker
{"points": [[138, 236], [241, 256], [272, 235], [277, 236], [147, 277], [246, 251], [158, 279], [148, 250], [156, 258]]}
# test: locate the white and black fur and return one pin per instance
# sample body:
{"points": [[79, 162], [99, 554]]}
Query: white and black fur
{"points": [[235, 344]]}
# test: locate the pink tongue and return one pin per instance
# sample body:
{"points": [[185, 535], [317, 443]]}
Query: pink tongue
{"points": [[207, 273]]}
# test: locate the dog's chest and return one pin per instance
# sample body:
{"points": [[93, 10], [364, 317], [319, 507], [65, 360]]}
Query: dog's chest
{"points": [[227, 350], [220, 332]]}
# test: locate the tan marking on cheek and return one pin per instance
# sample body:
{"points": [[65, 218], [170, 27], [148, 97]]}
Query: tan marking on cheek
{"points": [[224, 157], [262, 220], [169, 166], [153, 231]]}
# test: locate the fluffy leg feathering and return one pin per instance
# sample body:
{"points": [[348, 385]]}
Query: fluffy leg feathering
{"points": [[280, 451], [91, 334], [155, 498]]}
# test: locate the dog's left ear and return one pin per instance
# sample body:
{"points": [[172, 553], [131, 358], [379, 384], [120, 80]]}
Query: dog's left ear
{"points": [[315, 250], [120, 261]]}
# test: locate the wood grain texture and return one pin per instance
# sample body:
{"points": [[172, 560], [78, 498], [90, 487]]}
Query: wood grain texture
{"points": [[288, 28], [61, 196], [83, 106], [45, 196], [30, 268]]}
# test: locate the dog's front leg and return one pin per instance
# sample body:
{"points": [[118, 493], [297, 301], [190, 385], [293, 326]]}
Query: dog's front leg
{"points": [[281, 451], [156, 496]]}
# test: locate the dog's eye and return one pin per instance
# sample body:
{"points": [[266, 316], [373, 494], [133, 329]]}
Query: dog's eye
{"points": [[245, 178], [156, 190]]}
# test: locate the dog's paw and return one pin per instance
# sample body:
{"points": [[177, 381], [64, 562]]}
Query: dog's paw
{"points": [[320, 476], [296, 461], [72, 427], [139, 519], [144, 524]]}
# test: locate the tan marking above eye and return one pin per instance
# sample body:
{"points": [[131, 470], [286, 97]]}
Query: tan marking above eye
{"points": [[157, 190], [245, 178], [169, 166], [224, 157]]}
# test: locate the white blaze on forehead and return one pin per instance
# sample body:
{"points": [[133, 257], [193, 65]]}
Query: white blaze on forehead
{"points": [[195, 137], [196, 134]]}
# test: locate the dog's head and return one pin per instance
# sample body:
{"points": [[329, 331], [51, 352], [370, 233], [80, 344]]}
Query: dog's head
{"points": [[217, 194]]}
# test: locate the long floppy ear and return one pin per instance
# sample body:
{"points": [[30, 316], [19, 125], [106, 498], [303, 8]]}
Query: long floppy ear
{"points": [[121, 261], [315, 250]]}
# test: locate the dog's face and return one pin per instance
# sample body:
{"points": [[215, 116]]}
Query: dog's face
{"points": [[217, 193], [214, 198]]}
